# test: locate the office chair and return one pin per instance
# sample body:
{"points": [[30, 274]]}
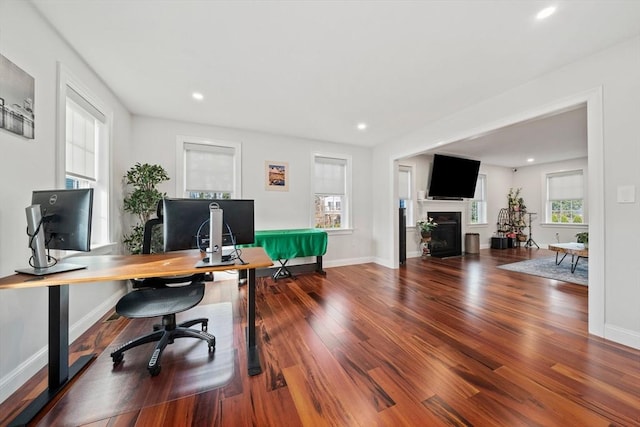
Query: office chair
{"points": [[156, 297]]}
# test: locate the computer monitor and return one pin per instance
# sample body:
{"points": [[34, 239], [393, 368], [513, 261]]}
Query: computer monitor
{"points": [[186, 222], [58, 219], [66, 218]]}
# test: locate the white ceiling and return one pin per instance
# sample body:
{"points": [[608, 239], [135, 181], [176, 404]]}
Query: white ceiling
{"points": [[315, 69]]}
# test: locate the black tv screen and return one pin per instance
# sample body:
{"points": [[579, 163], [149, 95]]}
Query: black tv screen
{"points": [[453, 177], [186, 222]]}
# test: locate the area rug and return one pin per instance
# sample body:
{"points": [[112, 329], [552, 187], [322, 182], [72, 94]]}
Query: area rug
{"points": [[187, 368], [546, 267]]}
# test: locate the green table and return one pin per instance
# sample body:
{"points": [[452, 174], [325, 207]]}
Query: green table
{"points": [[283, 245]]}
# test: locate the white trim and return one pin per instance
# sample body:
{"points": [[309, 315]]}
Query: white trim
{"points": [[65, 78], [594, 197], [347, 202], [623, 336]]}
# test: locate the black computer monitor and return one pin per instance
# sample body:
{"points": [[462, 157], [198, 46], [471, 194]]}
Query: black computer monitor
{"points": [[186, 222], [66, 218], [58, 219]]}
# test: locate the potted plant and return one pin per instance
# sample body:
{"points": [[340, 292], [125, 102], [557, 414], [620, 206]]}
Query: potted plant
{"points": [[143, 200], [426, 226], [583, 238]]}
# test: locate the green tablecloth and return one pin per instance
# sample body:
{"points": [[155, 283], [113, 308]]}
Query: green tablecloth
{"points": [[287, 244]]}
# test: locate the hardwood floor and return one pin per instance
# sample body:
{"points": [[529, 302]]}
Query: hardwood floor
{"points": [[437, 342]]}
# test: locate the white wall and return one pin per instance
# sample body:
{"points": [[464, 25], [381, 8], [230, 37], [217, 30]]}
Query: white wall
{"points": [[499, 180], [532, 180], [154, 141], [26, 165], [608, 83]]}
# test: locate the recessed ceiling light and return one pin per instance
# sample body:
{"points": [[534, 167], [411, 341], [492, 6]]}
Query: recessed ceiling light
{"points": [[546, 12], [362, 126], [531, 160], [198, 96]]}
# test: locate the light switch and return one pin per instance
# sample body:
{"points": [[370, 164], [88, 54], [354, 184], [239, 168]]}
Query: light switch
{"points": [[626, 194]]}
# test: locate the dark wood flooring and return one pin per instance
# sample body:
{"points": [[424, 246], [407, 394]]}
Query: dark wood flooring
{"points": [[438, 342]]}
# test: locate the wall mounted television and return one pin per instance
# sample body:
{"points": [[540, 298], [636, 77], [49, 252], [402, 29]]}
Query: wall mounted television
{"points": [[186, 222], [453, 178]]}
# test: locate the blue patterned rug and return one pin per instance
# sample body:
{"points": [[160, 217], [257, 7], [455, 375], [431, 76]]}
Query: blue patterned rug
{"points": [[546, 267]]}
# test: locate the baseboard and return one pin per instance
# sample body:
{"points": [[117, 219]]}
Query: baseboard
{"points": [[347, 261], [622, 336], [27, 369]]}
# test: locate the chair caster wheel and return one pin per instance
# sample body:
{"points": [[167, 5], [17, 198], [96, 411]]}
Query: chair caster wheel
{"points": [[155, 370], [117, 358], [212, 348]]}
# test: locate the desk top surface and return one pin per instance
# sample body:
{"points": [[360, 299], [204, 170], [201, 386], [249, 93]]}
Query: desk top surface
{"points": [[102, 268], [570, 248]]}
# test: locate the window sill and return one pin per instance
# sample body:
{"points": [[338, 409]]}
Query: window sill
{"points": [[102, 249], [564, 225], [338, 231]]}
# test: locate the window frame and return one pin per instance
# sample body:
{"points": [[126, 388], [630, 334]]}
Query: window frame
{"points": [[183, 140], [480, 203], [103, 190], [409, 204], [346, 201], [549, 203]]}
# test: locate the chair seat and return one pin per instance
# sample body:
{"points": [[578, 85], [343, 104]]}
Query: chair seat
{"points": [[153, 302]]}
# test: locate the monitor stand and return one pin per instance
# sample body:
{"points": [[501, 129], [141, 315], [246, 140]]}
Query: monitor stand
{"points": [[38, 248], [214, 251], [56, 268]]}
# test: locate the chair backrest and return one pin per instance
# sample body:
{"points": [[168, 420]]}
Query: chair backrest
{"points": [[153, 243], [152, 238]]}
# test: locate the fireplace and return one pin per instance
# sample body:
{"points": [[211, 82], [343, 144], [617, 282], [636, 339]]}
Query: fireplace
{"points": [[446, 238]]}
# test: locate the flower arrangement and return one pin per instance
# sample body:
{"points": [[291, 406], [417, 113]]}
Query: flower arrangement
{"points": [[426, 225]]}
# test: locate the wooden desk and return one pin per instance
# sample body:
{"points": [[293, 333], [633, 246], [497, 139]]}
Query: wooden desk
{"points": [[576, 250], [120, 267]]}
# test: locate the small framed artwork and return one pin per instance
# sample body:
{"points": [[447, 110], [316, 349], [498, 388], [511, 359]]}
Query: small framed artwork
{"points": [[276, 176], [17, 90]]}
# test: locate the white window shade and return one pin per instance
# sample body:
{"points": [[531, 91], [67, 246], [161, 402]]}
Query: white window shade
{"points": [[330, 175], [404, 183], [480, 190], [83, 127], [209, 168], [566, 186]]}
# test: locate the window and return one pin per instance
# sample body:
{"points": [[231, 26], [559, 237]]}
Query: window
{"points": [[478, 214], [565, 194], [83, 149], [405, 190], [208, 169], [332, 182]]}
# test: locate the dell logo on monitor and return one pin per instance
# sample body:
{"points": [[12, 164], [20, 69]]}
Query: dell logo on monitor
{"points": [[53, 199]]}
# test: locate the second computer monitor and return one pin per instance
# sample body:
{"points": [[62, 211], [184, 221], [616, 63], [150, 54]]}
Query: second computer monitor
{"points": [[186, 222]]}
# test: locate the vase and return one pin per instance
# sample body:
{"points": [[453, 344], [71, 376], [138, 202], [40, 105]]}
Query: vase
{"points": [[426, 234]]}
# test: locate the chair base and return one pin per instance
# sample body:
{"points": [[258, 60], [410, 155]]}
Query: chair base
{"points": [[164, 335]]}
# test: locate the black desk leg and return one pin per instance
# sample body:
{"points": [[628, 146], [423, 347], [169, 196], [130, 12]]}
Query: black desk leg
{"points": [[60, 373], [253, 357], [319, 265]]}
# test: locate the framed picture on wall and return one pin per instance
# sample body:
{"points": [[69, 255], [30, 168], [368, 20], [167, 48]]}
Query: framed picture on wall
{"points": [[17, 90], [276, 176]]}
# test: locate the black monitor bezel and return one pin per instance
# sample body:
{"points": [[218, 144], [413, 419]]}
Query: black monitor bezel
{"points": [[67, 216], [184, 217]]}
